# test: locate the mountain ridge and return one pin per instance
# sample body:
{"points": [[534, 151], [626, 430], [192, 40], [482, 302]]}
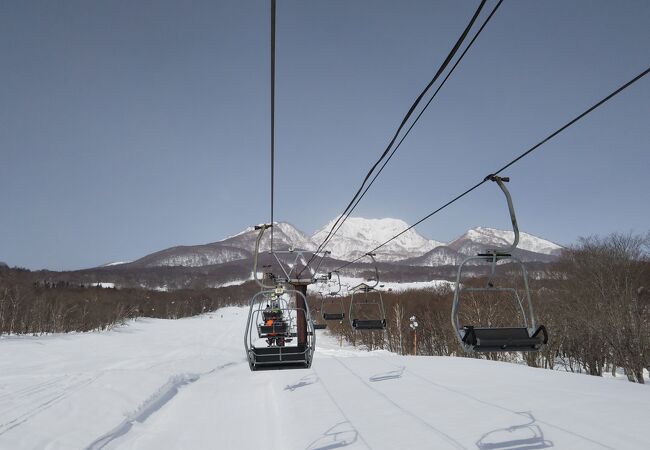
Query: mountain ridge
{"points": [[356, 237]]}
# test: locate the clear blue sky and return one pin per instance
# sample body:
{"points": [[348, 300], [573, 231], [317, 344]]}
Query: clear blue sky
{"points": [[127, 127]]}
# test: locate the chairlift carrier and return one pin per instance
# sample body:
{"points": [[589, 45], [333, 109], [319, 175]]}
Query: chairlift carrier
{"points": [[335, 301], [499, 339], [363, 293], [277, 355]]}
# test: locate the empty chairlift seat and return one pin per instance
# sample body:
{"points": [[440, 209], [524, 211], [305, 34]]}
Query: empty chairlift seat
{"points": [[331, 305], [333, 316], [527, 338], [516, 339], [360, 324]]}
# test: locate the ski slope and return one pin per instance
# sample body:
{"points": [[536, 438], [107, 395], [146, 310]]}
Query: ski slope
{"points": [[185, 384]]}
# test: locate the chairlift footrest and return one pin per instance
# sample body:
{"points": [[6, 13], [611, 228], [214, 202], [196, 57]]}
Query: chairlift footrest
{"points": [[278, 358]]}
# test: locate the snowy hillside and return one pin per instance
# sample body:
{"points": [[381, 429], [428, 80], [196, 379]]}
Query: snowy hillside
{"points": [[237, 247], [185, 384]]}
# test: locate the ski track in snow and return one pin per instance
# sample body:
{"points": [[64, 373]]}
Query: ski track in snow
{"points": [[185, 384], [154, 403], [37, 399]]}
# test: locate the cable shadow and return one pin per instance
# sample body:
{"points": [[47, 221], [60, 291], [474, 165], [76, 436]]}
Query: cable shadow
{"points": [[527, 436], [304, 381], [392, 375], [340, 435], [495, 405]]}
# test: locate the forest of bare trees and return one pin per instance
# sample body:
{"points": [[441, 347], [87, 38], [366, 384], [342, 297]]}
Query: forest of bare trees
{"points": [[29, 306]]}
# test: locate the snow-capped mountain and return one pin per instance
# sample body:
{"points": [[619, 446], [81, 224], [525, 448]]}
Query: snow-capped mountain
{"points": [[480, 239], [237, 247], [358, 235]]}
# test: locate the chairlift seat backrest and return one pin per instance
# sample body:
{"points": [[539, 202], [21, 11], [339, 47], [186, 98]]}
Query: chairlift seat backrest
{"points": [[360, 324], [333, 316], [275, 328]]}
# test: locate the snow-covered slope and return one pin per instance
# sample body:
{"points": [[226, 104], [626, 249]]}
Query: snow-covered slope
{"points": [[439, 256], [358, 235], [185, 384]]}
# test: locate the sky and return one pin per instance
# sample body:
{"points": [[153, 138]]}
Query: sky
{"points": [[129, 127]]}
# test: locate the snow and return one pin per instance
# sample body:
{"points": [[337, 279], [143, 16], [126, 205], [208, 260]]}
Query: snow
{"points": [[348, 283], [185, 384], [116, 263], [105, 285], [503, 238], [358, 235], [235, 282]]}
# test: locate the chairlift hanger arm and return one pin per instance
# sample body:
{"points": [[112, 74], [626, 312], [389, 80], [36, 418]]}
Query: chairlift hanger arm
{"points": [[365, 285], [293, 275], [374, 262], [338, 282], [500, 181], [262, 228]]}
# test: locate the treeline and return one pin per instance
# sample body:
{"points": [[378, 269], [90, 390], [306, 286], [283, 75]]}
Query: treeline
{"points": [[28, 306], [595, 303]]}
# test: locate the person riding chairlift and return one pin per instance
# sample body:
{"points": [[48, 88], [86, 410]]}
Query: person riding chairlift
{"points": [[272, 315]]}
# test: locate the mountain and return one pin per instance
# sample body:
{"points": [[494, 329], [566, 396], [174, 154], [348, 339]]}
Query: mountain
{"points": [[358, 235], [481, 239], [530, 249], [354, 239], [237, 247]]}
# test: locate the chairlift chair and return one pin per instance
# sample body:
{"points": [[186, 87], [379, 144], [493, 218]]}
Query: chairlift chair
{"points": [[321, 324], [332, 303], [267, 346], [365, 294], [527, 338], [270, 329]]}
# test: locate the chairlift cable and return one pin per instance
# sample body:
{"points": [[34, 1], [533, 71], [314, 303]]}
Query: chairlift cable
{"points": [[272, 112], [509, 164], [417, 101], [392, 153]]}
